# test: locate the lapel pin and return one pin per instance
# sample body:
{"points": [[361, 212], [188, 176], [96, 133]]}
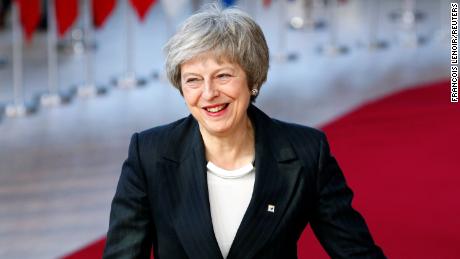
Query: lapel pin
{"points": [[271, 208]]}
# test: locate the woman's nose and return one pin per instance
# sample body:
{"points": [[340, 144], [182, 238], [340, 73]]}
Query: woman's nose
{"points": [[210, 90]]}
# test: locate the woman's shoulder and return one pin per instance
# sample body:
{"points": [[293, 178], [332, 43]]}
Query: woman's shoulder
{"points": [[299, 131], [164, 132], [307, 142], [163, 139], [159, 129], [280, 127]]}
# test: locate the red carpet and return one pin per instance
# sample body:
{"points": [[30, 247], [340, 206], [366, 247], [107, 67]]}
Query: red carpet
{"points": [[92, 251], [400, 155]]}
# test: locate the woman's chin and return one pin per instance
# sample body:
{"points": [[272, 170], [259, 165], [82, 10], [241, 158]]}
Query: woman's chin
{"points": [[216, 129]]}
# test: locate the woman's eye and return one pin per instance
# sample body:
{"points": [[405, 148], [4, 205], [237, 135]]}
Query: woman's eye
{"points": [[191, 80], [223, 76]]}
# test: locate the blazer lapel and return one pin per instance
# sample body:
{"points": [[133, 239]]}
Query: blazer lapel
{"points": [[277, 170], [190, 208]]}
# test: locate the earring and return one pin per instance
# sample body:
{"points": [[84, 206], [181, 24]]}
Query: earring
{"points": [[254, 92]]}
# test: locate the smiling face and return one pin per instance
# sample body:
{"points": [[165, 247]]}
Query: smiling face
{"points": [[216, 93]]}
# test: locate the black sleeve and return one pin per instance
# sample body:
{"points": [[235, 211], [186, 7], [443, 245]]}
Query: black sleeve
{"points": [[340, 229], [130, 228]]}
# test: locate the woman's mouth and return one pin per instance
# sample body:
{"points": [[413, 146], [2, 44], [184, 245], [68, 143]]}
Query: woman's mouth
{"points": [[215, 110]]}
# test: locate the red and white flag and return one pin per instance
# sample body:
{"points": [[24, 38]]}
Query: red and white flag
{"points": [[66, 14], [102, 9], [29, 16], [142, 7]]}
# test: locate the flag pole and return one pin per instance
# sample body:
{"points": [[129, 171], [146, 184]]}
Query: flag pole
{"points": [[52, 97], [409, 36], [3, 59], [18, 108], [88, 88], [128, 78], [74, 41], [282, 54], [129, 51], [399, 13], [374, 43], [333, 48], [442, 34], [310, 21], [297, 21]]}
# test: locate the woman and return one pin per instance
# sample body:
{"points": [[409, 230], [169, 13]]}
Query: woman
{"points": [[228, 181]]}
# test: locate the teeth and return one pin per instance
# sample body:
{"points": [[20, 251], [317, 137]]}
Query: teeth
{"points": [[215, 109]]}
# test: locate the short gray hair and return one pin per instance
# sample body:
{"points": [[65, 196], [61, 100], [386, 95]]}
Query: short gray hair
{"points": [[229, 33]]}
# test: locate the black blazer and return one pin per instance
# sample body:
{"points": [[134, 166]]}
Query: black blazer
{"points": [[162, 197]]}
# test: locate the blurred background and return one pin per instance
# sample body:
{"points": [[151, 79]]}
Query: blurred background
{"points": [[78, 78]]}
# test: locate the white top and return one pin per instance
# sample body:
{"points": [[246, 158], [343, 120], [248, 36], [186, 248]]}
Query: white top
{"points": [[229, 196]]}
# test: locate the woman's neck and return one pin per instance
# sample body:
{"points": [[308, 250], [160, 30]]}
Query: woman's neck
{"points": [[231, 151]]}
